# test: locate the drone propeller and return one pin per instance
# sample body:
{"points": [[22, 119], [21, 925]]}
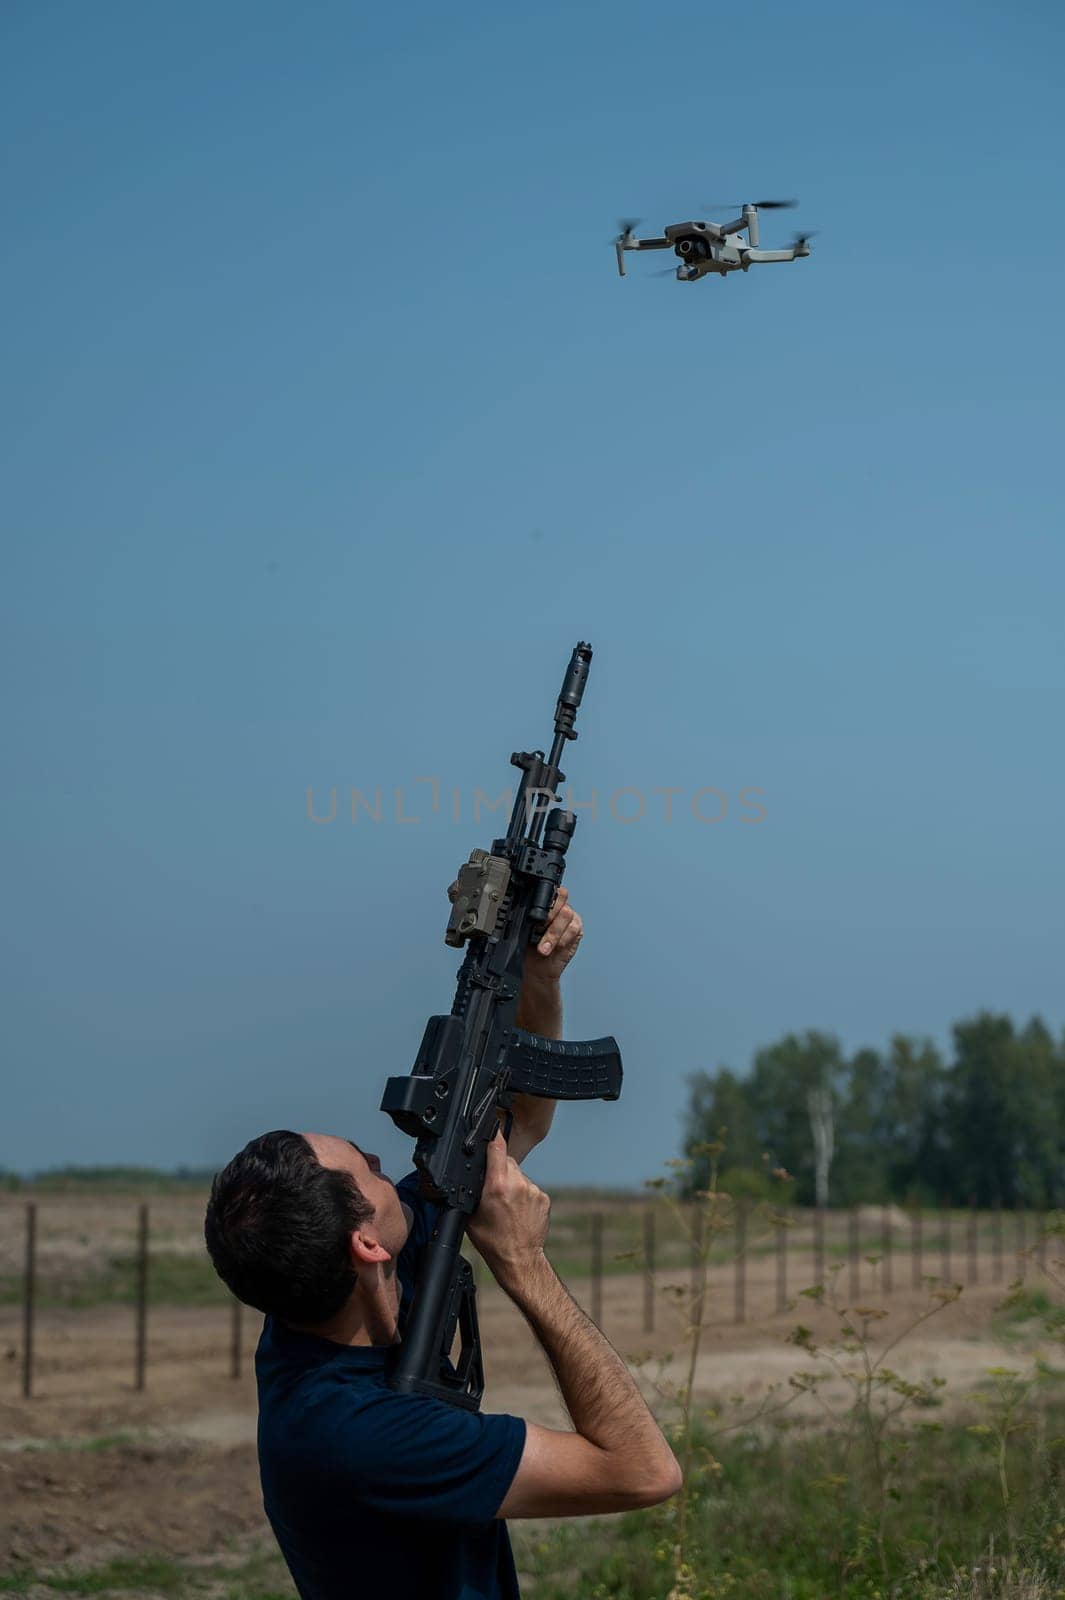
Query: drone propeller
{"points": [[804, 238], [626, 228], [759, 205]]}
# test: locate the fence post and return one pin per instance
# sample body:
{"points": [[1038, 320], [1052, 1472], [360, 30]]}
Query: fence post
{"points": [[141, 1298], [947, 1268], [782, 1259], [648, 1269], [885, 1251], [819, 1245], [235, 1330], [741, 1261], [852, 1253], [972, 1272], [29, 1299], [916, 1247], [597, 1268], [1022, 1242]]}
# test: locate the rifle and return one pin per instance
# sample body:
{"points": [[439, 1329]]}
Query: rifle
{"points": [[474, 1060]]}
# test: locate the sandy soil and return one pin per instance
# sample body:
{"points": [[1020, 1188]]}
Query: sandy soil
{"points": [[90, 1468], [84, 1360]]}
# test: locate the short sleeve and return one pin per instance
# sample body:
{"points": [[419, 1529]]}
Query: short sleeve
{"points": [[416, 1456]]}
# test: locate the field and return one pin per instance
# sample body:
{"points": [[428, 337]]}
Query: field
{"points": [[105, 1487]]}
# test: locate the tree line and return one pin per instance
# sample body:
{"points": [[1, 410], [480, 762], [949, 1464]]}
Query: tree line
{"points": [[117, 1179], [907, 1124]]}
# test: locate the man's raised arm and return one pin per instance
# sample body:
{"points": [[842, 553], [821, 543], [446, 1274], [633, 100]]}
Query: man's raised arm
{"points": [[616, 1459], [540, 1011]]}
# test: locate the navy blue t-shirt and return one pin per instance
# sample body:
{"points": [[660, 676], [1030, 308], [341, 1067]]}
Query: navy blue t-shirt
{"points": [[373, 1493]]}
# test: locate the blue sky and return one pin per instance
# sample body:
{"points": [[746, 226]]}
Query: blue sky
{"points": [[329, 427]]}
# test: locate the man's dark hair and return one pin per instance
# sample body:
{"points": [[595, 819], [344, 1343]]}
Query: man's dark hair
{"points": [[278, 1229]]}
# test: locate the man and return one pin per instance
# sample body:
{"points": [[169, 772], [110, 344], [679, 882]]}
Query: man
{"points": [[376, 1493]]}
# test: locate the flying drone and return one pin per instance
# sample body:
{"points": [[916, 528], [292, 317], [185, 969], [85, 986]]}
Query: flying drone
{"points": [[705, 247]]}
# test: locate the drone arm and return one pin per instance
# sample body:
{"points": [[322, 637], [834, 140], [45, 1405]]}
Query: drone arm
{"points": [[621, 245], [776, 255]]}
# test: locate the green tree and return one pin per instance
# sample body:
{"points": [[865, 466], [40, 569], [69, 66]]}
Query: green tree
{"points": [[913, 1123], [1041, 1135], [720, 1100], [905, 1125], [862, 1167], [1003, 1112], [781, 1080]]}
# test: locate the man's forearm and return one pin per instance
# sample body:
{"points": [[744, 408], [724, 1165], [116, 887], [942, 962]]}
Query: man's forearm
{"points": [[540, 1008], [539, 1011], [601, 1395]]}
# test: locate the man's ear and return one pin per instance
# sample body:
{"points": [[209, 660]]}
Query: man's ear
{"points": [[366, 1250]]}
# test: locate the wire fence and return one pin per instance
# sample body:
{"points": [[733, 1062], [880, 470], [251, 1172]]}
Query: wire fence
{"points": [[755, 1264]]}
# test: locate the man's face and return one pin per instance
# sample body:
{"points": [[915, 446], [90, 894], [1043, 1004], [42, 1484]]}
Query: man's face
{"points": [[390, 1223]]}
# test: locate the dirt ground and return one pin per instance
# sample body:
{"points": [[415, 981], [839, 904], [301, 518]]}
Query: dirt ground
{"points": [[90, 1468]]}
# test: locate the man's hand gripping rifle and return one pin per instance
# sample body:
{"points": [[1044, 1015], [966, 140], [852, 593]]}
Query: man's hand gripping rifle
{"points": [[471, 1062]]}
